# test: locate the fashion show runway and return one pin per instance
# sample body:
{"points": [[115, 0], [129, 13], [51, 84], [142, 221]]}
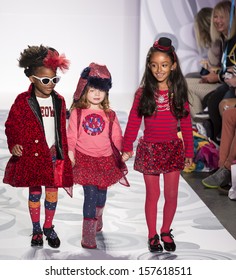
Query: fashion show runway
{"points": [[197, 232]]}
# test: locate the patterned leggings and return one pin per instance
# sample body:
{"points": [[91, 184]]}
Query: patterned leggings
{"points": [[93, 197], [50, 204]]}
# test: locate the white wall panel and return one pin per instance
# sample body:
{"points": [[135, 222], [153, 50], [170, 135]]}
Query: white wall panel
{"points": [[117, 33]]}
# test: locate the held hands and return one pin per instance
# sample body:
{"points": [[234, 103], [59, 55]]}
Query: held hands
{"points": [[17, 150], [126, 156]]}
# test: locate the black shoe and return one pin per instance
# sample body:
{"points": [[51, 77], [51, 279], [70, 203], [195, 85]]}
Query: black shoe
{"points": [[168, 246], [224, 190], [207, 124], [37, 239], [154, 244], [52, 242]]}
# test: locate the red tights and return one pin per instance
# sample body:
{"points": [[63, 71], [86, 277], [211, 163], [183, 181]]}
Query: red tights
{"points": [[171, 183]]}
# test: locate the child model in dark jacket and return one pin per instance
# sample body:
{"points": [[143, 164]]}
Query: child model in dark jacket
{"points": [[36, 136]]}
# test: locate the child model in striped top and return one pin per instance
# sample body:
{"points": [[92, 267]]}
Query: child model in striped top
{"points": [[162, 100]]}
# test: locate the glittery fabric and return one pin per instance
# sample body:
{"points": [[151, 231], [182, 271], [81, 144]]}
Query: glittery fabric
{"points": [[99, 213], [157, 158], [98, 171], [95, 75], [89, 233], [23, 125], [163, 101], [99, 71]]}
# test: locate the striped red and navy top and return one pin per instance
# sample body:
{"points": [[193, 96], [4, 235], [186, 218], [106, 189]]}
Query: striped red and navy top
{"points": [[162, 126]]}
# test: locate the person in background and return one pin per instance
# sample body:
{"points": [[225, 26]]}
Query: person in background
{"points": [[36, 137], [227, 153], [198, 88], [162, 102], [94, 138], [223, 15]]}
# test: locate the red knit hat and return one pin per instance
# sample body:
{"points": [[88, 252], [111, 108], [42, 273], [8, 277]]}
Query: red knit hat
{"points": [[96, 76]]}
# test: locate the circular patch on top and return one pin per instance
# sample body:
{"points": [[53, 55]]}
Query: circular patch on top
{"points": [[93, 124]]}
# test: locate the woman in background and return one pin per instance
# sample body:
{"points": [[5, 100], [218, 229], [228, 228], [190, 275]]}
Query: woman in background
{"points": [[198, 88]]}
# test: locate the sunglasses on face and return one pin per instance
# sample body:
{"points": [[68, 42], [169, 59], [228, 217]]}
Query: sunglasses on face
{"points": [[46, 80]]}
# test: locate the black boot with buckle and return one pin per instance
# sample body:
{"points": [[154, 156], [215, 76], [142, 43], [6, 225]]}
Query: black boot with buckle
{"points": [[154, 244], [51, 237]]}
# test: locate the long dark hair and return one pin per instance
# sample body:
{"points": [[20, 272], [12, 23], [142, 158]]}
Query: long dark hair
{"points": [[178, 90]]}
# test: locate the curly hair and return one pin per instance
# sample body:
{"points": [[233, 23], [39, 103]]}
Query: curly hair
{"points": [[37, 56], [32, 58]]}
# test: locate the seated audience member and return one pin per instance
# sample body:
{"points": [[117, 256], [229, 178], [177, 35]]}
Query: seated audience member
{"points": [[227, 153], [220, 29], [197, 87]]}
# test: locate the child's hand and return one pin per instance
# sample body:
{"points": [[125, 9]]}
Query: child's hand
{"points": [[17, 150], [188, 162], [72, 158], [126, 155]]}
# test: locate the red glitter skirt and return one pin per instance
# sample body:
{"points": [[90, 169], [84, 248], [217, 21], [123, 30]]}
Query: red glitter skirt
{"points": [[161, 157], [97, 171]]}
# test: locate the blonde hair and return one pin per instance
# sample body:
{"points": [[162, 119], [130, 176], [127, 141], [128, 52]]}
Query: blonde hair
{"points": [[202, 25], [223, 8]]}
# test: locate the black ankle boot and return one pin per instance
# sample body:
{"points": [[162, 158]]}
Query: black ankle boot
{"points": [[168, 246], [52, 242], [154, 244]]}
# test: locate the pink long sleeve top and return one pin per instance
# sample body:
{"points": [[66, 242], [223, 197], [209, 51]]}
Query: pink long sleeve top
{"points": [[92, 135]]}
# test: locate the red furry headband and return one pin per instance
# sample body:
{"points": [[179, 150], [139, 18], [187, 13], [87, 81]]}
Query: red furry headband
{"points": [[53, 60]]}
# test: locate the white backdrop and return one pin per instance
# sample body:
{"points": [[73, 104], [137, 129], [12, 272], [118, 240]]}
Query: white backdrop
{"points": [[117, 33]]}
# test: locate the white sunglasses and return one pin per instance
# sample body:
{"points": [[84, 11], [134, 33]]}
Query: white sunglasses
{"points": [[46, 80]]}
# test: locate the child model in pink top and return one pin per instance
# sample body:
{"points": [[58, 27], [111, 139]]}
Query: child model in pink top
{"points": [[162, 100], [94, 140]]}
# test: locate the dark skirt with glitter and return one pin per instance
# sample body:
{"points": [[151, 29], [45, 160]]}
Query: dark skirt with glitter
{"points": [[161, 157], [97, 171]]}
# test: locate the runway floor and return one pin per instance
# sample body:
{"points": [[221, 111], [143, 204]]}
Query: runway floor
{"points": [[198, 234]]}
